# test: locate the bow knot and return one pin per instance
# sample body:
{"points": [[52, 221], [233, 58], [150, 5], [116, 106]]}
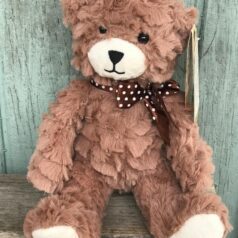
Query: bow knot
{"points": [[128, 93]]}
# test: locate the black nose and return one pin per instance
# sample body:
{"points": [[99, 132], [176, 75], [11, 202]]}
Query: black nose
{"points": [[115, 56]]}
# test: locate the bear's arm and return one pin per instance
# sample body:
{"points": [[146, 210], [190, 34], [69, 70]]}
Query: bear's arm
{"points": [[52, 159], [189, 155]]}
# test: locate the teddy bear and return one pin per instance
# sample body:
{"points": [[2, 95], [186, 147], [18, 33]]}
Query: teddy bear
{"points": [[124, 126]]}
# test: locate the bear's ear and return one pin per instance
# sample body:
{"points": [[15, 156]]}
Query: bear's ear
{"points": [[71, 9], [184, 19]]}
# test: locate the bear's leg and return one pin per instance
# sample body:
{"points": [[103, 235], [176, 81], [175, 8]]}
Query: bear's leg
{"points": [[75, 212], [170, 213]]}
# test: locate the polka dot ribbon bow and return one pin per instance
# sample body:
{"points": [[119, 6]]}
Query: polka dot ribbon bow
{"points": [[128, 93]]}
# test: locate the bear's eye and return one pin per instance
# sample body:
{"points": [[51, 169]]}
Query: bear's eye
{"points": [[102, 29], [143, 38]]}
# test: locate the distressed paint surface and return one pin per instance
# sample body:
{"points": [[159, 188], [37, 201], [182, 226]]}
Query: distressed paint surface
{"points": [[2, 147], [35, 53], [36, 65], [219, 102]]}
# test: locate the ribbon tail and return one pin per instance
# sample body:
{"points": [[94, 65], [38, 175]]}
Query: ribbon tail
{"points": [[163, 119], [163, 127], [165, 111]]}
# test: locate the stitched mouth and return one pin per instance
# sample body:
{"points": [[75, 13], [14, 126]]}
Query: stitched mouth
{"points": [[114, 71]]}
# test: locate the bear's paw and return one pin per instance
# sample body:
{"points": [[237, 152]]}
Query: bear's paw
{"points": [[55, 232], [201, 226]]}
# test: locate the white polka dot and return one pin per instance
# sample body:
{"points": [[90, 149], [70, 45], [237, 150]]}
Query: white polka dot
{"points": [[126, 98], [154, 118], [96, 84], [118, 98], [162, 85], [120, 86], [147, 97], [151, 102], [92, 81], [116, 91], [160, 92], [129, 86], [153, 109], [124, 92], [120, 105], [128, 105], [139, 92], [111, 89], [167, 93], [147, 105], [169, 85], [150, 93], [136, 85], [132, 92], [134, 98], [103, 87], [141, 98]]}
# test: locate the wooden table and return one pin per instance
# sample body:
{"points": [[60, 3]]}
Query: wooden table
{"points": [[123, 219]]}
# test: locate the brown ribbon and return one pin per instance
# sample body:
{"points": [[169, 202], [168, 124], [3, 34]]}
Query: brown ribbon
{"points": [[128, 93]]}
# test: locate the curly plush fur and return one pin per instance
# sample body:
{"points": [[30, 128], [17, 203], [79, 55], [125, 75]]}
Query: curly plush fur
{"points": [[88, 147]]}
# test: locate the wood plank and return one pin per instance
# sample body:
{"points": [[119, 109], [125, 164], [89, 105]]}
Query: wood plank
{"points": [[2, 155], [36, 64], [123, 218], [10, 235], [219, 104], [2, 148]]}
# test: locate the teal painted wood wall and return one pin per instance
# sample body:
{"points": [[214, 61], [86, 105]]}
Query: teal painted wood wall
{"points": [[35, 51]]}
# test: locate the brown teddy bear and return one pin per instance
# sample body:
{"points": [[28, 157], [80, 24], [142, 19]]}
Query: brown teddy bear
{"points": [[124, 127]]}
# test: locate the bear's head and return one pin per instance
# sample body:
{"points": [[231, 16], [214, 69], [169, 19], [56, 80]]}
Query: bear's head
{"points": [[128, 39]]}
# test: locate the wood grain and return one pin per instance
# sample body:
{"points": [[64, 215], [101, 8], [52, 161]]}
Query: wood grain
{"points": [[2, 150], [219, 90], [10, 235], [37, 50], [123, 219]]}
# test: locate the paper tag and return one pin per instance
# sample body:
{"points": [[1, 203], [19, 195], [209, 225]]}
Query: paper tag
{"points": [[192, 73]]}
